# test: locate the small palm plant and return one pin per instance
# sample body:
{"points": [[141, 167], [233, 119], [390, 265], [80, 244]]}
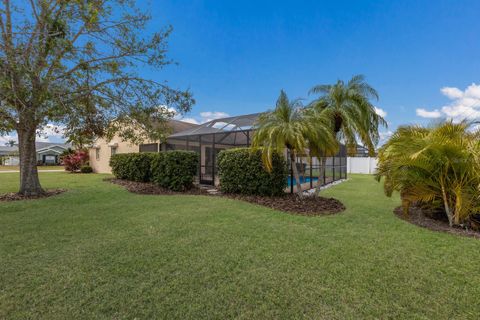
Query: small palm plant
{"points": [[284, 127], [437, 165], [352, 114]]}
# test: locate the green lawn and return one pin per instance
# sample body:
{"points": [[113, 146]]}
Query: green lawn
{"points": [[40, 168], [98, 251]]}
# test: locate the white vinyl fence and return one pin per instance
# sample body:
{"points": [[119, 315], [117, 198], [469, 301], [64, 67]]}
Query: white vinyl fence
{"points": [[365, 165]]}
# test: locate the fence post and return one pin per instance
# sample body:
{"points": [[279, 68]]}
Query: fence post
{"points": [[291, 176], [311, 175]]}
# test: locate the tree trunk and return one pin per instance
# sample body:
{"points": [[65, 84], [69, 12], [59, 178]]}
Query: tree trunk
{"points": [[295, 173], [448, 211], [321, 174], [338, 121], [29, 182]]}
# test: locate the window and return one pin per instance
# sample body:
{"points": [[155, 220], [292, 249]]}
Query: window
{"points": [[113, 150], [97, 153], [149, 147]]}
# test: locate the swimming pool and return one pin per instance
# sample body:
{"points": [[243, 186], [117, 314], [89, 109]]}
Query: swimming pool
{"points": [[302, 180]]}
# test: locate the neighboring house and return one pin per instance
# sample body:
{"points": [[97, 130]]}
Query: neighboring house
{"points": [[6, 151], [362, 151], [8, 156], [48, 153]]}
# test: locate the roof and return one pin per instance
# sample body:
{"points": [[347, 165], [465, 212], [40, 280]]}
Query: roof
{"points": [[222, 125], [41, 145], [4, 150], [179, 126]]}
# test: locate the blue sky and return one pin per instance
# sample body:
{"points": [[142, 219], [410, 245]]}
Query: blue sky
{"points": [[235, 56]]}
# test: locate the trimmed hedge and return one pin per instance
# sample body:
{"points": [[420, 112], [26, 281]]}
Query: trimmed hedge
{"points": [[132, 166], [242, 171], [174, 170], [86, 169]]}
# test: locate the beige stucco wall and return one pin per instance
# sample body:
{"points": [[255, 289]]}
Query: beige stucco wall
{"points": [[101, 165]]}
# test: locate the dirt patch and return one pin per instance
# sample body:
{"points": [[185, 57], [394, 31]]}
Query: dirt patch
{"points": [[6, 197], [291, 203], [151, 188], [417, 217]]}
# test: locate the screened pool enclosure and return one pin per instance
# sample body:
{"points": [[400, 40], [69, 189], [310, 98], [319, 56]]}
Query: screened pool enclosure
{"points": [[210, 138]]}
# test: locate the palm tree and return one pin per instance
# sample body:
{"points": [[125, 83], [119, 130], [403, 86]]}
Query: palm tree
{"points": [[437, 165], [283, 127], [321, 141], [352, 115]]}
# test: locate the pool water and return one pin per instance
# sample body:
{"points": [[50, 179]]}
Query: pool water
{"points": [[302, 180]]}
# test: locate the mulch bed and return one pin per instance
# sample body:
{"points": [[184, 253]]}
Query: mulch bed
{"points": [[6, 197], [417, 217], [307, 206], [151, 188]]}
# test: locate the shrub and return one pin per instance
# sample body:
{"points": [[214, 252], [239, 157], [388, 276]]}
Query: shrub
{"points": [[436, 166], [174, 170], [74, 161], [132, 166], [86, 169], [242, 171]]}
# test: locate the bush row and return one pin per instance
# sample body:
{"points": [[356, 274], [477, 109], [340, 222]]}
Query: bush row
{"points": [[242, 171], [174, 170], [132, 166]]}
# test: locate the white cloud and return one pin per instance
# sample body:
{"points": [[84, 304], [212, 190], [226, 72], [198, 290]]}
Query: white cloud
{"points": [[451, 92], [203, 117], [382, 113], [212, 115], [464, 105], [51, 133], [428, 114], [7, 138], [384, 136], [189, 120]]}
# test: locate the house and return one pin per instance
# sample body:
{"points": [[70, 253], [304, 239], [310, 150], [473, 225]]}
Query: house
{"points": [[48, 153], [8, 155], [102, 149], [208, 140], [362, 151]]}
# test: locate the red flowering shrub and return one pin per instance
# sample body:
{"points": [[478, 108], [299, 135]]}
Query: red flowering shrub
{"points": [[74, 161]]}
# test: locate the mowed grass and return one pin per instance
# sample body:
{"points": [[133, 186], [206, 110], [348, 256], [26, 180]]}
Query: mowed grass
{"points": [[40, 168], [98, 251]]}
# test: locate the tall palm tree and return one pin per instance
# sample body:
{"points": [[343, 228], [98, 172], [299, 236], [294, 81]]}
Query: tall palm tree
{"points": [[283, 127], [352, 114]]}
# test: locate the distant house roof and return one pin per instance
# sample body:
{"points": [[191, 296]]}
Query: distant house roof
{"points": [[56, 148], [362, 151], [4, 150], [42, 145]]}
